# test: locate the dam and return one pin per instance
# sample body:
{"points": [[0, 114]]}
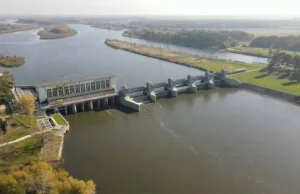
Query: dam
{"points": [[100, 92]]}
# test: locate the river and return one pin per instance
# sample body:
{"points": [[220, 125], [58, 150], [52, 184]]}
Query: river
{"points": [[227, 141]]}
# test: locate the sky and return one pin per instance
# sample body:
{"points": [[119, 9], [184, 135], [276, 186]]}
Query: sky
{"points": [[149, 7]]}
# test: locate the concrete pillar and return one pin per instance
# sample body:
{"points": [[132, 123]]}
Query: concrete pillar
{"points": [[74, 108], [98, 103], [105, 102], [91, 107], [66, 109], [82, 106]]}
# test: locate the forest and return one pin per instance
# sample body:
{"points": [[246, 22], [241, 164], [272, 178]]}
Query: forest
{"points": [[291, 43], [193, 38]]}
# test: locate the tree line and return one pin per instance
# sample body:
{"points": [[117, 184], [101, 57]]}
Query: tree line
{"points": [[193, 38], [284, 59], [291, 43]]}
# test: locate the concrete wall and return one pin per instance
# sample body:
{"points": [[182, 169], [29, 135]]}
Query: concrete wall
{"points": [[127, 102], [231, 82]]}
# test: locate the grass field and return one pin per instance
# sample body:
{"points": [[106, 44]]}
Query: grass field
{"points": [[280, 79], [18, 154], [260, 52], [59, 119], [180, 58]]}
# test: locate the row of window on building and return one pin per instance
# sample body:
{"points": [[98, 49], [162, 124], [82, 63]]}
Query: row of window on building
{"points": [[79, 88]]}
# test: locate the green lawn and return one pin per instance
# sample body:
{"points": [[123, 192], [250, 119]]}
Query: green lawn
{"points": [[230, 66], [281, 80], [59, 119], [19, 154]]}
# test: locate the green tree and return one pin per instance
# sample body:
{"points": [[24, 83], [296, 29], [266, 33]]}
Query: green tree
{"points": [[296, 62]]}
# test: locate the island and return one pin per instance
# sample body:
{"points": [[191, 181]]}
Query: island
{"points": [[11, 61], [57, 32], [10, 28]]}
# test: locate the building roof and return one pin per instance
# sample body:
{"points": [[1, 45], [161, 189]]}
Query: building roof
{"points": [[62, 81]]}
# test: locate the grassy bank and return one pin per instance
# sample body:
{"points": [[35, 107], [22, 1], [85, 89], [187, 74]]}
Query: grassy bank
{"points": [[258, 52], [59, 120], [195, 61], [57, 32], [279, 79], [11, 61]]}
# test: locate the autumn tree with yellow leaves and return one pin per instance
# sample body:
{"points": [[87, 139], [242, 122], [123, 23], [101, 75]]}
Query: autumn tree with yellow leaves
{"points": [[27, 106], [41, 178]]}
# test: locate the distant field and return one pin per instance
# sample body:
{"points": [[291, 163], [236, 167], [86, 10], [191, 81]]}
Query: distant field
{"points": [[281, 80], [269, 31], [186, 59], [260, 52]]}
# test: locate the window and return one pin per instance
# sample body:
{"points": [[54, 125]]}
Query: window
{"points": [[61, 91], [77, 89], [82, 88], [98, 85], [72, 89], [93, 86], [102, 84], [107, 84], [49, 94], [88, 87], [54, 92], [67, 91]]}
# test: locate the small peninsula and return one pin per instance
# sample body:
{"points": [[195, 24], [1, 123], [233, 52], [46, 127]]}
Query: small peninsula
{"points": [[57, 32], [11, 28], [11, 61]]}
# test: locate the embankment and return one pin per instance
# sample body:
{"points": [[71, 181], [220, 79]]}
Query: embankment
{"points": [[262, 90], [185, 59]]}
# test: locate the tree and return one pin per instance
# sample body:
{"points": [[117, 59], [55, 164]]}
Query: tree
{"points": [[296, 62], [27, 105], [270, 53], [41, 178]]}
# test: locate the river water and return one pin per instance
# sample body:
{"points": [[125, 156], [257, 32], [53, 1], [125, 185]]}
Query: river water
{"points": [[225, 141]]}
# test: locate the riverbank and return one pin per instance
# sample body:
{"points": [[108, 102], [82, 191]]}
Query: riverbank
{"points": [[57, 32], [11, 61], [279, 79], [186, 59], [19, 28], [108, 26]]}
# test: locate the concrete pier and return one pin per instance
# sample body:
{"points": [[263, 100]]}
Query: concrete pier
{"points": [[150, 91], [90, 104], [66, 110], [171, 87], [74, 108], [191, 84]]}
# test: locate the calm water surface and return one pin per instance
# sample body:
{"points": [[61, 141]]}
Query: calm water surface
{"points": [[225, 141]]}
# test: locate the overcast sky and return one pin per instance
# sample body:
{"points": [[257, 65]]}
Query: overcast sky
{"points": [[150, 7]]}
